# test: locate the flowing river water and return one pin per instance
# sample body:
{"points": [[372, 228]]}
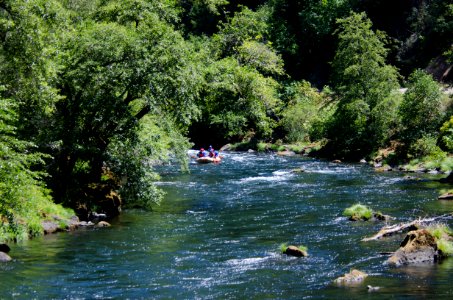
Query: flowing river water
{"points": [[217, 235]]}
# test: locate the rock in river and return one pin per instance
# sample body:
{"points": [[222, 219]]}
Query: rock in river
{"points": [[4, 257], [103, 224], [353, 277], [418, 246], [295, 251]]}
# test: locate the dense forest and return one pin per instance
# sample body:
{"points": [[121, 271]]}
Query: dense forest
{"points": [[94, 93]]}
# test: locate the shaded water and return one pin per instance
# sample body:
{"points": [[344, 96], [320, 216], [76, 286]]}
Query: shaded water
{"points": [[218, 233]]}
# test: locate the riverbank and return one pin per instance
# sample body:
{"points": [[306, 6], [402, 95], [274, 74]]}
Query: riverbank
{"points": [[382, 160]]}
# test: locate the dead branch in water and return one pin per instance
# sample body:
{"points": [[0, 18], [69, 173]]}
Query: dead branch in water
{"points": [[391, 229]]}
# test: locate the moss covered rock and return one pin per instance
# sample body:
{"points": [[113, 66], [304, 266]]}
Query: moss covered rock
{"points": [[417, 247]]}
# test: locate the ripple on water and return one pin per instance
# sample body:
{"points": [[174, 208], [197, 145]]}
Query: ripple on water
{"points": [[217, 235]]}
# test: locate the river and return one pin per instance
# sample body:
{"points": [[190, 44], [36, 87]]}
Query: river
{"points": [[217, 235]]}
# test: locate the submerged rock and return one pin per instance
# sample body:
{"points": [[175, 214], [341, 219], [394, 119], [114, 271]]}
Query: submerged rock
{"points": [[295, 251], [418, 246], [372, 288], [298, 170], [353, 277], [4, 257]]}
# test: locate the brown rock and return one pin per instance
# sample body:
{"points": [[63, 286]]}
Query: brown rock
{"points": [[295, 251], [103, 224], [418, 246], [336, 161], [355, 276]]}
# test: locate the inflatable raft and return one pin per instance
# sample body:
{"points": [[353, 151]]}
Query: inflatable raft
{"points": [[207, 160]]}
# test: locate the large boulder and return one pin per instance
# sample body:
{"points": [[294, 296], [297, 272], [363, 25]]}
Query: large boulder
{"points": [[418, 246], [73, 223], [4, 257], [49, 226]]}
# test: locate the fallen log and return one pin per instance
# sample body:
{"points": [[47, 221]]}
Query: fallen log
{"points": [[403, 227]]}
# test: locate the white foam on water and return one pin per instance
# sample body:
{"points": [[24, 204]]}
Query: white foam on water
{"points": [[239, 158], [191, 212], [277, 176], [281, 173], [263, 178]]}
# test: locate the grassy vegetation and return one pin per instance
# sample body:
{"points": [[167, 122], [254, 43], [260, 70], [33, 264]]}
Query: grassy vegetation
{"points": [[25, 222], [442, 163], [285, 246], [443, 234], [358, 212]]}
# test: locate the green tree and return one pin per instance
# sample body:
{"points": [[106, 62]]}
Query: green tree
{"points": [[240, 100], [362, 81], [240, 66], [301, 32], [420, 110], [24, 200], [30, 34], [115, 73], [302, 112]]}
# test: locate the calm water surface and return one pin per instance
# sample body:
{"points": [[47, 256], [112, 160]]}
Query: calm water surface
{"points": [[217, 236]]}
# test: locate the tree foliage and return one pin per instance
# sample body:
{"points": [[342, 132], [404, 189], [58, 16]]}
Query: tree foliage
{"points": [[421, 107], [363, 82]]}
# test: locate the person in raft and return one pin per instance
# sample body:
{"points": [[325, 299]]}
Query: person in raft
{"points": [[213, 153], [202, 153]]}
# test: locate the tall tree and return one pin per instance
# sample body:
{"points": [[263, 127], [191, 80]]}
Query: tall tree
{"points": [[302, 32], [421, 110], [129, 64], [362, 81]]}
